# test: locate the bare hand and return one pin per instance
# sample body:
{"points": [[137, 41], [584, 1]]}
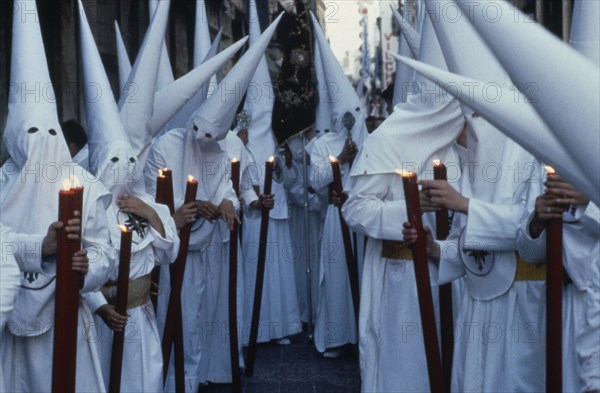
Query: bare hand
{"points": [[411, 236], [112, 318], [264, 202], [133, 205], [337, 199], [207, 210], [349, 152], [50, 242], [228, 213], [80, 262], [426, 205], [547, 207], [186, 214], [440, 193], [560, 188]]}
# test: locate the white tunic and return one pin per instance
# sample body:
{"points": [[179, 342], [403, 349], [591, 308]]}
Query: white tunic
{"points": [[294, 184], [29, 348], [581, 298], [335, 323], [204, 295], [392, 353], [280, 314], [142, 353]]}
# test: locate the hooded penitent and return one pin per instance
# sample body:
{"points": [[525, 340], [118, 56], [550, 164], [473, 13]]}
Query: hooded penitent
{"points": [[165, 72], [112, 157], [410, 34], [33, 176], [124, 64], [424, 128], [566, 84], [345, 110]]}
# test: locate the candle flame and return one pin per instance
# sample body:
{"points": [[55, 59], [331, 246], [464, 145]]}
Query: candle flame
{"points": [[123, 228], [66, 185], [271, 159], [404, 173], [332, 158], [234, 159], [190, 178], [436, 162], [549, 169], [160, 173], [75, 182], [166, 169]]}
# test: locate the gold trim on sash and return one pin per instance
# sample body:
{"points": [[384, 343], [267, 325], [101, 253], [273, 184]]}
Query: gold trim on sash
{"points": [[529, 271], [138, 292], [393, 249]]}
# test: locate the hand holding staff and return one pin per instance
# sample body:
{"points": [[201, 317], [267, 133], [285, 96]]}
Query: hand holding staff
{"points": [[116, 364], [442, 229], [350, 258], [432, 351], [173, 326], [260, 270], [68, 282], [233, 261]]}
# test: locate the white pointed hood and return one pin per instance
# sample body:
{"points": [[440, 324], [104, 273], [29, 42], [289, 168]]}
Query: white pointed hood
{"points": [[136, 108], [213, 119], [585, 29], [40, 160], [418, 131], [165, 71], [259, 100], [123, 62], [412, 36], [404, 74], [202, 34], [566, 94], [483, 78], [172, 98], [110, 153], [32, 132], [323, 116], [347, 116]]}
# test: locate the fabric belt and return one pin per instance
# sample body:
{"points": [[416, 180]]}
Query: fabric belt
{"points": [[529, 271], [393, 249], [138, 293]]}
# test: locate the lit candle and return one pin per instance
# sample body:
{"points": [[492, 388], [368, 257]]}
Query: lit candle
{"points": [[191, 190], [67, 292], [121, 308], [554, 295], [170, 200], [337, 175], [269, 165], [235, 175], [428, 324]]}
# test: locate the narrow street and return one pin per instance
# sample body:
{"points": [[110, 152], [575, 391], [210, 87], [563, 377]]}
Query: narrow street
{"points": [[298, 368]]}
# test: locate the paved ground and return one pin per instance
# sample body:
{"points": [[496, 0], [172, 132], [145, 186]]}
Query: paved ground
{"points": [[298, 368]]}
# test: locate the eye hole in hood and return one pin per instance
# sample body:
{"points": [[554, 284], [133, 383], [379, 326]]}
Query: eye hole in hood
{"points": [[32, 130], [52, 132]]}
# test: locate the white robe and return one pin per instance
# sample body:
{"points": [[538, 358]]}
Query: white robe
{"points": [[335, 323], [581, 298], [279, 314], [392, 352], [204, 295], [500, 330], [142, 353], [29, 343], [294, 184]]}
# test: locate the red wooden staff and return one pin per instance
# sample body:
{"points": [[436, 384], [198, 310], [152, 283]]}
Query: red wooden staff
{"points": [[260, 271], [116, 365], [442, 229], [173, 331], [350, 258], [432, 351], [554, 294], [164, 196], [64, 357], [233, 261]]}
